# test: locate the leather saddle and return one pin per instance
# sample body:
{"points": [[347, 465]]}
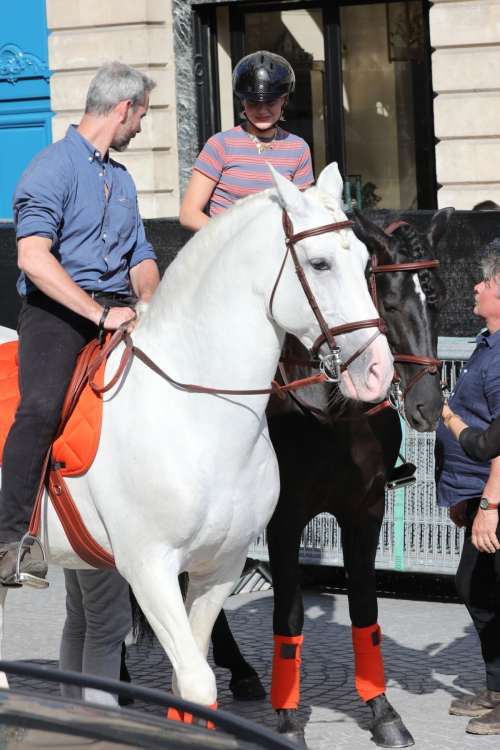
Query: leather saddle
{"points": [[74, 447]]}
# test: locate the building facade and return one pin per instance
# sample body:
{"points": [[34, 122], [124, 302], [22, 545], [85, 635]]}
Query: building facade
{"points": [[403, 95]]}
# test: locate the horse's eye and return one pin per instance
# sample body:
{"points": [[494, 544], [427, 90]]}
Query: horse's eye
{"points": [[320, 265]]}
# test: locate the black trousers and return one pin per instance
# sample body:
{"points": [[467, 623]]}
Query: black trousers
{"points": [[478, 583], [50, 337]]}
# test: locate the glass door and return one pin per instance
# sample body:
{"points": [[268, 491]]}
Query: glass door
{"points": [[386, 113]]}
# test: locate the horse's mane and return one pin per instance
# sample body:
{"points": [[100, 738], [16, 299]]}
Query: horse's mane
{"points": [[415, 245], [198, 253]]}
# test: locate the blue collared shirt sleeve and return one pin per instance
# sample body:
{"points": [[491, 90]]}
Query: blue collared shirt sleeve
{"points": [[492, 384], [143, 249], [38, 200]]}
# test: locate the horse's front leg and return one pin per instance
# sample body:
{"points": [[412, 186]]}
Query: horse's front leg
{"points": [[245, 684], [359, 542], [205, 597], [154, 582], [284, 542]]}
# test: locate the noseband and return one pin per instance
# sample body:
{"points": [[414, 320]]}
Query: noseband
{"points": [[331, 366]]}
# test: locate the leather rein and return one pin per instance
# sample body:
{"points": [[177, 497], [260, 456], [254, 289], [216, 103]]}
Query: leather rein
{"points": [[333, 360], [431, 365]]}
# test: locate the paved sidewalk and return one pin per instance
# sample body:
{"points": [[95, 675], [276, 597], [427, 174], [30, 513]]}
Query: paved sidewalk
{"points": [[431, 656]]}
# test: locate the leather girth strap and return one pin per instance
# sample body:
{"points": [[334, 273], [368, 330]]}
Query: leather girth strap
{"points": [[78, 535]]}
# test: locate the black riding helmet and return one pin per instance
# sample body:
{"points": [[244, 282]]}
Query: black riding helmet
{"points": [[263, 76]]}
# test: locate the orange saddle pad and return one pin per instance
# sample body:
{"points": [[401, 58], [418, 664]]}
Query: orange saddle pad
{"points": [[76, 447]]}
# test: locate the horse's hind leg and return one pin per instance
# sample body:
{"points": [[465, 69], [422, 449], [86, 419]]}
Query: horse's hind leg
{"points": [[360, 547], [245, 684], [3, 593], [156, 588]]}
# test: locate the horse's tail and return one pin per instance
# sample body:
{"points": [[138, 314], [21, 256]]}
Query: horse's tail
{"points": [[142, 632]]}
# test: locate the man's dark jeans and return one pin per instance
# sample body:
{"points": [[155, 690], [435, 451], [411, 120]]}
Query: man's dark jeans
{"points": [[478, 583], [50, 337]]}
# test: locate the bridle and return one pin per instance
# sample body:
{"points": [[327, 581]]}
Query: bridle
{"points": [[396, 396], [330, 366], [431, 364]]}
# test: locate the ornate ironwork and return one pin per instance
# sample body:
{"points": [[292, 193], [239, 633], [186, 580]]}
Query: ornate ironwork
{"points": [[15, 64]]}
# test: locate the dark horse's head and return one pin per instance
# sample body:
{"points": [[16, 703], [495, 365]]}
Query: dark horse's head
{"points": [[410, 303]]}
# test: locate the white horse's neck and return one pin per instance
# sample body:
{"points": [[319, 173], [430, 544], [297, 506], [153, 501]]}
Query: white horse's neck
{"points": [[207, 322]]}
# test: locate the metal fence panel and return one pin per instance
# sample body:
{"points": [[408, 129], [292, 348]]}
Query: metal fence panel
{"points": [[432, 543]]}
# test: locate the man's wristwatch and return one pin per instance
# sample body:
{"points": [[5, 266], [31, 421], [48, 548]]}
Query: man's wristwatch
{"points": [[486, 505]]}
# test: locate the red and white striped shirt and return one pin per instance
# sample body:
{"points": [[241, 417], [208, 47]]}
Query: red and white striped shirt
{"points": [[232, 160]]}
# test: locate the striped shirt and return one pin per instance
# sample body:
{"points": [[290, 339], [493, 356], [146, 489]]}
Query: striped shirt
{"points": [[232, 160]]}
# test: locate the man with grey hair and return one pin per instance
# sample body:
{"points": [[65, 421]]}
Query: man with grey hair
{"points": [[471, 490], [84, 262]]}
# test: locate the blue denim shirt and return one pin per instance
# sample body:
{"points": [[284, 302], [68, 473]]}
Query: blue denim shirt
{"points": [[476, 398], [61, 196]]}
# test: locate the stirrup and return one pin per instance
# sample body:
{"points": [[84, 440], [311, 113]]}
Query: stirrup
{"points": [[401, 476], [27, 579]]}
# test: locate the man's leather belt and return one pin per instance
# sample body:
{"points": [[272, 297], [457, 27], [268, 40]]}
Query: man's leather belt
{"points": [[108, 295]]}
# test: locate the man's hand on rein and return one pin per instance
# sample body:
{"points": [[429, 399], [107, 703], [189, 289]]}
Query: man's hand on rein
{"points": [[117, 316]]}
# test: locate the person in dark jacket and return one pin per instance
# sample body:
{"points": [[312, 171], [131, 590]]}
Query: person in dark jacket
{"points": [[468, 437]]}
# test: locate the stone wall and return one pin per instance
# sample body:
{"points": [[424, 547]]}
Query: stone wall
{"points": [[86, 33], [466, 77], [470, 235]]}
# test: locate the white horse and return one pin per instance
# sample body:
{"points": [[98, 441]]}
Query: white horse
{"points": [[186, 481]]}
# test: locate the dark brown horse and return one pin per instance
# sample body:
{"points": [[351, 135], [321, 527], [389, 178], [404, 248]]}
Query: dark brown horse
{"points": [[341, 467]]}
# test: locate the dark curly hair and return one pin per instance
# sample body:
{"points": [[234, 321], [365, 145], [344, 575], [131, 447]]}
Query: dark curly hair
{"points": [[418, 249]]}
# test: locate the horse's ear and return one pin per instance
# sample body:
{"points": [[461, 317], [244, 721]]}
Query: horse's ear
{"points": [[438, 226], [375, 239], [290, 197], [330, 182]]}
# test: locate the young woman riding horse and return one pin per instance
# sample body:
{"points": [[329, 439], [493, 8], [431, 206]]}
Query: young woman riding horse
{"points": [[233, 164]]}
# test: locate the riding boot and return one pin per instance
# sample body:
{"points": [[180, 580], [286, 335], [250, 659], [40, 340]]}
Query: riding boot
{"points": [[487, 724], [27, 564], [476, 705]]}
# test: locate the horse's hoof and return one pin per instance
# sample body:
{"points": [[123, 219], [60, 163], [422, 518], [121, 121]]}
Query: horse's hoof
{"points": [[297, 737], [247, 689], [391, 734]]}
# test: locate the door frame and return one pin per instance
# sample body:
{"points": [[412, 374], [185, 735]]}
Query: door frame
{"points": [[205, 31]]}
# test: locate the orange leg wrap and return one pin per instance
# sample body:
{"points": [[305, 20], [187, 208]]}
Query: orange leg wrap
{"points": [[285, 682], [368, 664], [185, 718]]}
